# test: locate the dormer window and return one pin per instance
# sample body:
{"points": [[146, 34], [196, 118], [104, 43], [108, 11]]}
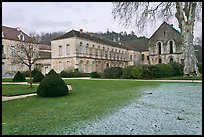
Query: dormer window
{"points": [[21, 37]]}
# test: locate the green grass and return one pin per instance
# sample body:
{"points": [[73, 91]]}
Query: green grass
{"points": [[17, 89], [10, 79], [88, 100], [182, 78]]}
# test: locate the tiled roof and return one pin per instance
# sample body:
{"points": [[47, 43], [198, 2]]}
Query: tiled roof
{"points": [[44, 47], [74, 33], [140, 44], [165, 23], [13, 33]]}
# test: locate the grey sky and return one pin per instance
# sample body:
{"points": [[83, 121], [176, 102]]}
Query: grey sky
{"points": [[59, 16]]}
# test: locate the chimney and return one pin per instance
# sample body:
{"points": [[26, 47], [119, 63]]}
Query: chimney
{"points": [[81, 31], [91, 34], [18, 28]]}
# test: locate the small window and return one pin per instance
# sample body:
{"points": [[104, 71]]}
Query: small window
{"points": [[142, 57], [147, 57], [171, 47], [171, 60], [130, 57], [68, 49], [160, 60], [164, 32], [60, 50]]}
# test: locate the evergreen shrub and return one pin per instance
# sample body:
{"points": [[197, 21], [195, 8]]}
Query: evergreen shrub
{"points": [[19, 77], [38, 77], [52, 86]]}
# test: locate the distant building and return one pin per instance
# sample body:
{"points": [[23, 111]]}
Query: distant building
{"points": [[10, 38], [76, 50]]}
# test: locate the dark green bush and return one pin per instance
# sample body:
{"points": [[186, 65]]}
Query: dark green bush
{"points": [[127, 72], [177, 69], [52, 86], [75, 74], [26, 73], [113, 72], [137, 72], [34, 71], [38, 77], [19, 77], [164, 70], [64, 74], [200, 67], [150, 71], [95, 75]]}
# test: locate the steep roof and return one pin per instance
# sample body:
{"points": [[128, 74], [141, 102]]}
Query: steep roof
{"points": [[13, 33], [140, 44], [168, 25], [44, 47], [74, 33]]}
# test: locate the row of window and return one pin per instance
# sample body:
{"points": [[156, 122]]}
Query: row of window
{"points": [[170, 47]]}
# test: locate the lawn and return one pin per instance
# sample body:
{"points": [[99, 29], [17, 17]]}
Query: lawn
{"points": [[10, 79], [17, 89], [88, 100], [183, 78]]}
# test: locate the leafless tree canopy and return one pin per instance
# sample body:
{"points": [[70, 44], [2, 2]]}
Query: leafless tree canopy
{"points": [[141, 13], [26, 53], [185, 12]]}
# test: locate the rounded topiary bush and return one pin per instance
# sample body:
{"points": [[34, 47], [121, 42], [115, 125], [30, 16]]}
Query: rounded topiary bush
{"points": [[38, 77], [52, 86], [19, 77], [95, 75]]}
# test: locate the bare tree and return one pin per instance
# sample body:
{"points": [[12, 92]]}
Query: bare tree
{"points": [[185, 12], [26, 53]]}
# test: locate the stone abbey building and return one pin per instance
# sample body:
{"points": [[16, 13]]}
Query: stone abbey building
{"points": [[87, 53]]}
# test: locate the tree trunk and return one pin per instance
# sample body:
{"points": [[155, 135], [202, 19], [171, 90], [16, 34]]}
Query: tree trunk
{"points": [[30, 76], [190, 60], [186, 17]]}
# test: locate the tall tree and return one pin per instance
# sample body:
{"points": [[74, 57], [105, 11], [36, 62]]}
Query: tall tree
{"points": [[185, 12], [26, 53]]}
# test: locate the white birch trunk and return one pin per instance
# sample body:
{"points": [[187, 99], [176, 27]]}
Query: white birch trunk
{"points": [[186, 18]]}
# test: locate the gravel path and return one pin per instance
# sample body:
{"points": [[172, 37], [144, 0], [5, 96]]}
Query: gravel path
{"points": [[170, 109]]}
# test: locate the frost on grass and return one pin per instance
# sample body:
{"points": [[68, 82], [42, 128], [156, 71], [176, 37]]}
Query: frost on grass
{"points": [[171, 109]]}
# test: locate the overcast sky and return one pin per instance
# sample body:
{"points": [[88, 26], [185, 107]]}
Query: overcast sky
{"points": [[59, 16]]}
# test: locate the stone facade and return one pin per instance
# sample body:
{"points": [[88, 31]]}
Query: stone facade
{"points": [[86, 55], [81, 51], [10, 38], [165, 45]]}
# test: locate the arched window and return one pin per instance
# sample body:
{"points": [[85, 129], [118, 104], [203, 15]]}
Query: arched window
{"points": [[160, 60], [171, 60], [81, 66], [93, 67], [60, 50], [159, 47], [80, 47], [68, 49], [87, 67], [171, 47], [130, 57], [87, 46]]}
